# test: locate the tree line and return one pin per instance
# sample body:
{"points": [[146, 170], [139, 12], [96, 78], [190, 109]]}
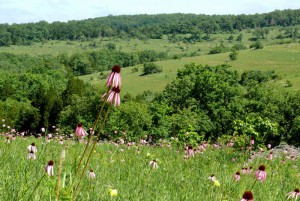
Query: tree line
{"points": [[142, 26]]}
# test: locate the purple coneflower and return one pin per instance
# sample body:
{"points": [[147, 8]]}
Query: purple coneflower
{"points": [[237, 176], [114, 78], [7, 140], [249, 170], [252, 141], [113, 96], [270, 156], [80, 132], [31, 155], [91, 174], [49, 168], [212, 177], [261, 174], [153, 164], [294, 194], [32, 148], [191, 152], [247, 196]]}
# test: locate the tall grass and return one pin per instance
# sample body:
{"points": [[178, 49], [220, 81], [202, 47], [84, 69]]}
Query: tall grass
{"points": [[123, 168]]}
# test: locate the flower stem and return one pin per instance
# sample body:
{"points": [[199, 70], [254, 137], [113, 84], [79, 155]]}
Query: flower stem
{"points": [[91, 151]]}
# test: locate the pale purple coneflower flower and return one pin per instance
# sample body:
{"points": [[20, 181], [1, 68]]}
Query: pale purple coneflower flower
{"points": [[212, 177], [92, 174], [294, 194], [49, 168], [247, 196], [252, 141], [113, 96], [191, 152], [153, 164], [61, 141], [261, 173], [114, 78], [249, 171], [237, 176], [79, 131], [7, 140], [270, 156], [31, 155], [32, 148], [230, 143], [121, 141], [252, 156]]}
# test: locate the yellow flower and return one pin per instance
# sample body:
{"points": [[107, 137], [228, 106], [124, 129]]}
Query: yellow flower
{"points": [[113, 192], [217, 183]]}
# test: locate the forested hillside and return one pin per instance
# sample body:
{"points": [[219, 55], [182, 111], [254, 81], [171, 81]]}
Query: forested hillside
{"points": [[142, 26], [200, 102]]}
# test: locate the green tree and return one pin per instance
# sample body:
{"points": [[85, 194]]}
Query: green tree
{"points": [[150, 68]]}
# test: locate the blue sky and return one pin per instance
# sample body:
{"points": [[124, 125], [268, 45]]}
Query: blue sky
{"points": [[23, 11]]}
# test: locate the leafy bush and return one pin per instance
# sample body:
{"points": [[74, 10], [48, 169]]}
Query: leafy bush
{"points": [[239, 46], [256, 45], [233, 55], [219, 49], [150, 68]]}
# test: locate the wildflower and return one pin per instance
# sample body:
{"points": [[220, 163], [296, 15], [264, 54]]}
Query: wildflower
{"points": [[32, 148], [237, 176], [270, 156], [190, 152], [7, 140], [61, 141], [250, 170], [49, 168], [91, 174], [113, 96], [269, 146], [252, 141], [31, 155], [114, 78], [113, 192], [121, 141], [230, 143], [261, 174], [80, 132], [294, 194], [247, 196], [153, 164], [212, 177]]}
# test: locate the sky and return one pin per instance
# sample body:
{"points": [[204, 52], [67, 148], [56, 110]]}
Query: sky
{"points": [[24, 11]]}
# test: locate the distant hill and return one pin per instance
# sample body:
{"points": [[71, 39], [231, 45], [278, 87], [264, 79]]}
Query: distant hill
{"points": [[142, 26]]}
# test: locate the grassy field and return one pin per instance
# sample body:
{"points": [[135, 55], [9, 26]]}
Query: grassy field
{"points": [[133, 45], [284, 59], [127, 170]]}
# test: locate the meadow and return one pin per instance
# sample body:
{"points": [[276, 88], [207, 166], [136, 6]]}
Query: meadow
{"points": [[126, 169], [283, 59]]}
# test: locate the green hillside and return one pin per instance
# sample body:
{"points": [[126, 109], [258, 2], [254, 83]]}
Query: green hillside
{"points": [[284, 59]]}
